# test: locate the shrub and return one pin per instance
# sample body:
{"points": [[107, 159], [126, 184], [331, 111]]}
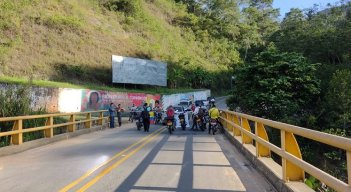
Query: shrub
{"points": [[63, 22], [128, 7]]}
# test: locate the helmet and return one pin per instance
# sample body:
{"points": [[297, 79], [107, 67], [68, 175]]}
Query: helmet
{"points": [[212, 100]]}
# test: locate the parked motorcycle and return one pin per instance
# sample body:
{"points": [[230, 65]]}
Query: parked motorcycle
{"points": [[182, 120]]}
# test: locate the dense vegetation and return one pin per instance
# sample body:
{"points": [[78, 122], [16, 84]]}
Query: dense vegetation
{"points": [[303, 77]]}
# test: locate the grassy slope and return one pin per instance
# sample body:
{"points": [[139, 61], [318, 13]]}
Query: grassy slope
{"points": [[73, 40]]}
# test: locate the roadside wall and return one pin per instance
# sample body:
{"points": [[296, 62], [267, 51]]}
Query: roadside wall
{"points": [[77, 100], [175, 99]]}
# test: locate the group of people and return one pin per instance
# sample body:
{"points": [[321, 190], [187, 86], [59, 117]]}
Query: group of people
{"points": [[115, 110], [198, 112]]}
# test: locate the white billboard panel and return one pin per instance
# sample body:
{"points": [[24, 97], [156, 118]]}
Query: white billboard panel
{"points": [[138, 71]]}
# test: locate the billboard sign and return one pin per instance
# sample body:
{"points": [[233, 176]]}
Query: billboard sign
{"points": [[138, 71]]}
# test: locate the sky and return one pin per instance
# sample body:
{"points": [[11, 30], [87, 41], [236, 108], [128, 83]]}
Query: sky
{"points": [[286, 5]]}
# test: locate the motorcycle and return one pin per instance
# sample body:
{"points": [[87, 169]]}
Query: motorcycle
{"points": [[206, 117], [200, 123], [170, 125], [158, 117], [139, 123], [182, 121], [132, 116], [214, 126]]}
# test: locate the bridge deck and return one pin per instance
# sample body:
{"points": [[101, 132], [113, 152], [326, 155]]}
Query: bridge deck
{"points": [[125, 159]]}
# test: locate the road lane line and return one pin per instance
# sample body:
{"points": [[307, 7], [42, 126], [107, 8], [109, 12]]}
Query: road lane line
{"points": [[91, 171], [116, 164]]}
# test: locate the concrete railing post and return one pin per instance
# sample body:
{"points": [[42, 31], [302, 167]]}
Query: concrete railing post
{"points": [[245, 138], [17, 139], [348, 157], [88, 123], [291, 172], [50, 131], [260, 131], [101, 120], [72, 127]]}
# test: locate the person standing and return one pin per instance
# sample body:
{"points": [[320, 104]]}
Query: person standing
{"points": [[112, 110], [146, 118], [195, 116], [132, 113], [119, 114]]}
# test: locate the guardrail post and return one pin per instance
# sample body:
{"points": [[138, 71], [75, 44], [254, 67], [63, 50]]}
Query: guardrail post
{"points": [[282, 139], [50, 131], [348, 156], [88, 123], [291, 172], [17, 139], [222, 121], [229, 118], [224, 115], [101, 120], [245, 124], [260, 131], [237, 131], [72, 127]]}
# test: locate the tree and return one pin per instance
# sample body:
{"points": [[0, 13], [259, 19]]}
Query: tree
{"points": [[276, 85], [338, 101], [320, 35], [259, 21]]}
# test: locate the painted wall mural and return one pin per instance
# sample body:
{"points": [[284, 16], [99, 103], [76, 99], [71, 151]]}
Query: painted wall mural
{"points": [[98, 100], [67, 100]]}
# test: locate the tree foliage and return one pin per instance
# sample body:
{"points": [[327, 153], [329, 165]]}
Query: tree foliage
{"points": [[276, 85], [322, 36]]}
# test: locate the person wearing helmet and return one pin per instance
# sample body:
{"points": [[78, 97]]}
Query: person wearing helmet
{"points": [[212, 102], [214, 114], [170, 113], [195, 116]]}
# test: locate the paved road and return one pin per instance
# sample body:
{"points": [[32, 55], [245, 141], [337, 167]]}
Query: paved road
{"points": [[124, 159], [221, 102]]}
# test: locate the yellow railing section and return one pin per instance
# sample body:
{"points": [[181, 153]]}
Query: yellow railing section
{"points": [[18, 130], [293, 167]]}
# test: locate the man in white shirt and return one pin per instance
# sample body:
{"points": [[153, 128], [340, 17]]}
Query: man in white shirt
{"points": [[196, 112]]}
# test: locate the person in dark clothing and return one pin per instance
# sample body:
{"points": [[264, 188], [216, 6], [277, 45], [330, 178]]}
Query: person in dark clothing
{"points": [[146, 118], [119, 114], [112, 110]]}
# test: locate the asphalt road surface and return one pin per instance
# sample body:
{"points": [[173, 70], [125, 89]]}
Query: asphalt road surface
{"points": [[124, 159]]}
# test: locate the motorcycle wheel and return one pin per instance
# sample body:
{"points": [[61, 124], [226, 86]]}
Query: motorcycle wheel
{"points": [[214, 130], [170, 129], [202, 127]]}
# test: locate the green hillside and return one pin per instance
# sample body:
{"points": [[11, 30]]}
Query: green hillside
{"points": [[73, 40]]}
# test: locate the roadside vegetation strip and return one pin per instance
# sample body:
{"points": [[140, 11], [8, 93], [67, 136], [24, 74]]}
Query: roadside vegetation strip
{"points": [[119, 162], [91, 171], [55, 84]]}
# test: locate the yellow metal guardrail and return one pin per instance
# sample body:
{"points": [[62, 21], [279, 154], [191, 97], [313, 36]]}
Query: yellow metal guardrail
{"points": [[18, 130], [293, 167]]}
